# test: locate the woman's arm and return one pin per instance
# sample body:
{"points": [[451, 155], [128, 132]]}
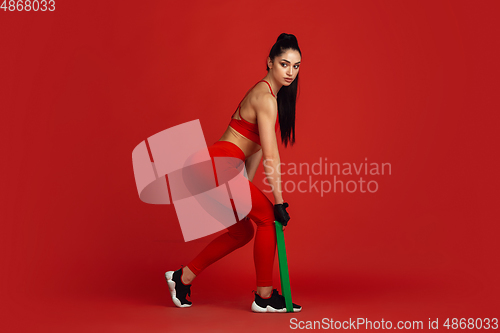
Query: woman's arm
{"points": [[267, 111], [252, 163]]}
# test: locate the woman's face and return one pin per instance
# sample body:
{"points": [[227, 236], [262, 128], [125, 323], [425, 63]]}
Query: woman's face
{"points": [[285, 67]]}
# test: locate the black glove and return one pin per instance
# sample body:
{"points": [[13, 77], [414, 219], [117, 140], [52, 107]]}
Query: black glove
{"points": [[280, 213]]}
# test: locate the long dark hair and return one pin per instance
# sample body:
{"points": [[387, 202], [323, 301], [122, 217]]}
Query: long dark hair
{"points": [[287, 95]]}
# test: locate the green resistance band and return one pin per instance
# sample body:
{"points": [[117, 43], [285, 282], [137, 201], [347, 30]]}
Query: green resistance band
{"points": [[284, 276]]}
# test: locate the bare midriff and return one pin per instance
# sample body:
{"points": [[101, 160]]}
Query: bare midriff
{"points": [[246, 145]]}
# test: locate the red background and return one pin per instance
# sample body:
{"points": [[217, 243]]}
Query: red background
{"points": [[410, 83]]}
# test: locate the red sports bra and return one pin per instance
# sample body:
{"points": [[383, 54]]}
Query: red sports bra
{"points": [[247, 129]]}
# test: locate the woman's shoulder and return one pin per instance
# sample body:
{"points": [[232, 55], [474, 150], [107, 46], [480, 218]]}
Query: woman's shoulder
{"points": [[261, 98]]}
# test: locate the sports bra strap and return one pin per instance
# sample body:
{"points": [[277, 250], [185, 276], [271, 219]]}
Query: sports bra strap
{"points": [[268, 85], [249, 91]]}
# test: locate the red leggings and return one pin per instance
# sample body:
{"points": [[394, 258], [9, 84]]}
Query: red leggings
{"points": [[240, 233]]}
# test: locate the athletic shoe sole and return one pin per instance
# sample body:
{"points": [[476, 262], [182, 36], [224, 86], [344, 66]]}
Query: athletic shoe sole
{"points": [[171, 287], [256, 308]]}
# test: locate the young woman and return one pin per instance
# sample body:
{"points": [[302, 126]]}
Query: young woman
{"points": [[251, 135]]}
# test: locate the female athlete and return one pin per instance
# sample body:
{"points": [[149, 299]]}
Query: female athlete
{"points": [[251, 136]]}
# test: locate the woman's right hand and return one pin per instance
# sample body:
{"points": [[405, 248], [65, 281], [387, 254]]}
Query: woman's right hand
{"points": [[280, 213]]}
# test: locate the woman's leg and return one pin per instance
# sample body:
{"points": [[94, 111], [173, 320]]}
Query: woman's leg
{"points": [[262, 214], [236, 236], [239, 234]]}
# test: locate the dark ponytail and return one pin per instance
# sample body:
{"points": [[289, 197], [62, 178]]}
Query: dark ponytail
{"points": [[287, 95]]}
